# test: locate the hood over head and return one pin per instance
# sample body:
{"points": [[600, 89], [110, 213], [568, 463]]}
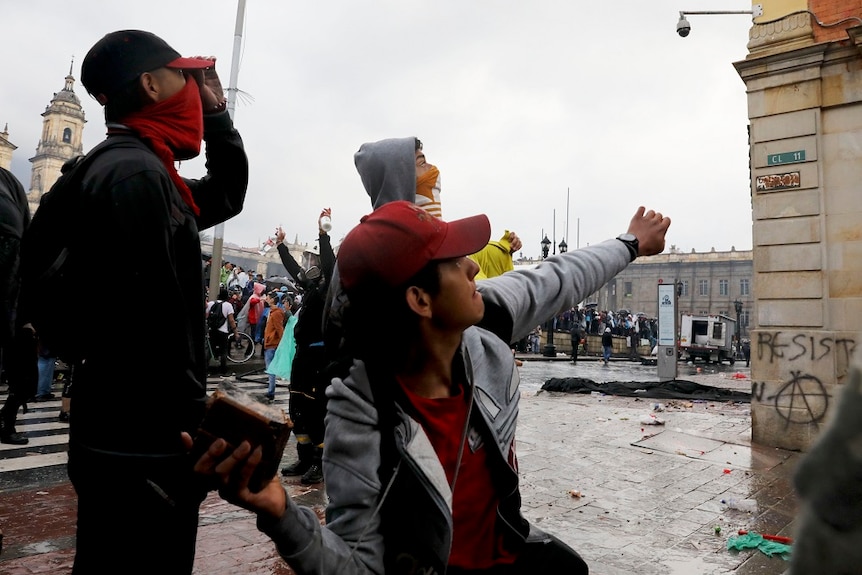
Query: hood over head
{"points": [[388, 170]]}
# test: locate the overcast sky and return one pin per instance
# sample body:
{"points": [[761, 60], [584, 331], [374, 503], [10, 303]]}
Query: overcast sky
{"points": [[516, 102]]}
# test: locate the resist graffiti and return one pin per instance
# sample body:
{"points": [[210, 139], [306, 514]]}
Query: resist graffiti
{"points": [[778, 346], [803, 398]]}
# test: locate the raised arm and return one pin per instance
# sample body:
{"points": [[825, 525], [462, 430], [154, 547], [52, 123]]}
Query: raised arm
{"points": [[517, 301]]}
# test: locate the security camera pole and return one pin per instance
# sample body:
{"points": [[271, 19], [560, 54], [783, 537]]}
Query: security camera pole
{"points": [[683, 28]]}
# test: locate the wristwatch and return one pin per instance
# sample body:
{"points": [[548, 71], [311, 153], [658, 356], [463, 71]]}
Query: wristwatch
{"points": [[631, 242]]}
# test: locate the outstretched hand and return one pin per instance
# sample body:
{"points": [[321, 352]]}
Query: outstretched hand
{"points": [[650, 229], [231, 471]]}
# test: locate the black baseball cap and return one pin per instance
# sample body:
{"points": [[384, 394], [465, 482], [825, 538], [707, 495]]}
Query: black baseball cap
{"points": [[120, 57]]}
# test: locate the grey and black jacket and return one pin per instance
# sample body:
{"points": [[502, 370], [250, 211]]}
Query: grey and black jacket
{"points": [[389, 500]]}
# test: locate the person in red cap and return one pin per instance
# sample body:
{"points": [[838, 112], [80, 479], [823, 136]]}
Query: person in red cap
{"points": [[420, 463], [138, 499]]}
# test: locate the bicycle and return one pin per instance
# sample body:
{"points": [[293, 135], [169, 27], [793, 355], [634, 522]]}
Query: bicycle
{"points": [[240, 348]]}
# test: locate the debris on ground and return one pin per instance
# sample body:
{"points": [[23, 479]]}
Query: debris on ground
{"points": [[651, 419], [753, 540]]}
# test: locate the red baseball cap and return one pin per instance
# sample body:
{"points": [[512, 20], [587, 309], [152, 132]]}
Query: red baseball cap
{"points": [[393, 243]]}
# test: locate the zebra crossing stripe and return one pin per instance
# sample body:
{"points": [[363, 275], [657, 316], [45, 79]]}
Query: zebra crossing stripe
{"points": [[34, 461]]}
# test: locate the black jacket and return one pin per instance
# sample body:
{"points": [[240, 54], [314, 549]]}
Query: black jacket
{"points": [[309, 328], [14, 218], [144, 379]]}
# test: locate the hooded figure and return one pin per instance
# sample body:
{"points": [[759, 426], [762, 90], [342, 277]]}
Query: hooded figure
{"points": [[388, 170]]}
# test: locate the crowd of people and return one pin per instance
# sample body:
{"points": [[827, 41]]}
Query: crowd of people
{"points": [[579, 322], [415, 439], [425, 423]]}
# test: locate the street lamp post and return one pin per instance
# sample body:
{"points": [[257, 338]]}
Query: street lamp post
{"points": [[564, 247], [738, 305], [550, 350]]}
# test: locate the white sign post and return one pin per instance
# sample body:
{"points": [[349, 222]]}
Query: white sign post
{"points": [[667, 330]]}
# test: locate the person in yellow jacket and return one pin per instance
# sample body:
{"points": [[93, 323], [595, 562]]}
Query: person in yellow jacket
{"points": [[496, 257]]}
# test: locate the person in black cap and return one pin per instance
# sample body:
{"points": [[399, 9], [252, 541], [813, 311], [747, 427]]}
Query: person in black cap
{"points": [[137, 500]]}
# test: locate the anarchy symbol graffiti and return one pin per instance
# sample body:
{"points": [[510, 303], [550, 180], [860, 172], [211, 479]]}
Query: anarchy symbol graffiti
{"points": [[801, 400]]}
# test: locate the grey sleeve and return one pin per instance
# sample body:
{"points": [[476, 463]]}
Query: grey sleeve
{"points": [[351, 542], [530, 297]]}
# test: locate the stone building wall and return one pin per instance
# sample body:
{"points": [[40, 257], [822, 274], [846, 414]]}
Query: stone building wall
{"points": [[804, 92]]}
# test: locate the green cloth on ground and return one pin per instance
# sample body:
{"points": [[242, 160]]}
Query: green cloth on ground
{"points": [[752, 540]]}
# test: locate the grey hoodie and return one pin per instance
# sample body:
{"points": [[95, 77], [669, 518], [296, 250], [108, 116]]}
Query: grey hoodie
{"points": [[355, 540], [388, 170]]}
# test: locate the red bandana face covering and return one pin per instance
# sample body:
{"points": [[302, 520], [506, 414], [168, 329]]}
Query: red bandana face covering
{"points": [[173, 128]]}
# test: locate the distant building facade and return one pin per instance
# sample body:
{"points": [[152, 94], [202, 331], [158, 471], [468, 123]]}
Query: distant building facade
{"points": [[710, 284], [250, 259]]}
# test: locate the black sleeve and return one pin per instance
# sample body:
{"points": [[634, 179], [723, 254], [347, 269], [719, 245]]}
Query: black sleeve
{"points": [[327, 256], [221, 193], [288, 262]]}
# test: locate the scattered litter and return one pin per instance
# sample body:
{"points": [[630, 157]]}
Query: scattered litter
{"points": [[651, 419], [640, 391], [778, 538], [739, 375], [752, 540], [41, 493], [747, 505], [658, 407], [717, 529], [575, 493], [727, 471]]}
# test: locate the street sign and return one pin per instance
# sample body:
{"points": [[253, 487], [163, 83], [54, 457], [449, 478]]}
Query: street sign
{"points": [[785, 158], [666, 314]]}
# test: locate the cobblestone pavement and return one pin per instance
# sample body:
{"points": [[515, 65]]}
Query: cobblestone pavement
{"points": [[650, 495]]}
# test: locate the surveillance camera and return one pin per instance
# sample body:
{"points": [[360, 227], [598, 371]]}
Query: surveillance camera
{"points": [[683, 27]]}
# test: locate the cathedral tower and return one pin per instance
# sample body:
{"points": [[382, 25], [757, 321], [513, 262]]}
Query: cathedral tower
{"points": [[62, 132], [6, 148]]}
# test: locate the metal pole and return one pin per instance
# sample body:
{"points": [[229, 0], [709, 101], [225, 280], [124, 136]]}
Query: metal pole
{"points": [[218, 230], [567, 216]]}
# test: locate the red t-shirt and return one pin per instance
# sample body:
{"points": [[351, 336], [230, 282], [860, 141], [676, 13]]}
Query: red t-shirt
{"points": [[476, 543]]}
